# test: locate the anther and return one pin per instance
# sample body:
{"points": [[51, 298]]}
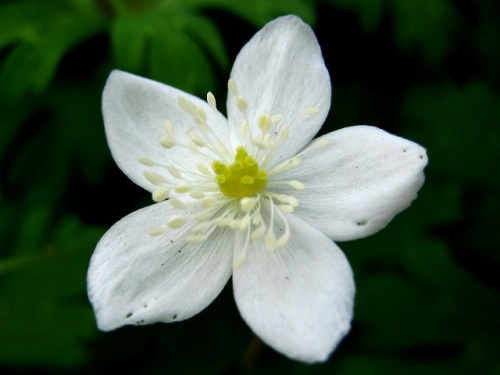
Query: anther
{"points": [[176, 221], [157, 231], [205, 216], [195, 239], [202, 115], [258, 233], [296, 185], [276, 118], [160, 194], [167, 142], [183, 188], [203, 169], [182, 102], [169, 128], [264, 122], [196, 194], [310, 111], [244, 129], [285, 208], [176, 203], [196, 139], [154, 178], [241, 103], [232, 88], [208, 201], [247, 203], [144, 160], [322, 142], [211, 100], [174, 171], [284, 133]]}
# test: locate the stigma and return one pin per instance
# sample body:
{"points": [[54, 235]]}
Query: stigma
{"points": [[241, 179]]}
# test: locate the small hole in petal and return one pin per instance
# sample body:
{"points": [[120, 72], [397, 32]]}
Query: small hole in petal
{"points": [[361, 223], [129, 315], [404, 149], [175, 316]]}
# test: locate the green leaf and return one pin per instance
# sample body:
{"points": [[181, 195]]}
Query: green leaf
{"points": [[426, 25], [129, 39], [177, 60], [423, 28], [45, 317], [460, 127], [32, 63], [257, 12]]}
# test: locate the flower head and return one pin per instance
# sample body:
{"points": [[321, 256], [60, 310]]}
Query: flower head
{"points": [[251, 195]]}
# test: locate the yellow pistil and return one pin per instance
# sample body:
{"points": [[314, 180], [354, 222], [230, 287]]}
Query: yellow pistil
{"points": [[241, 179]]}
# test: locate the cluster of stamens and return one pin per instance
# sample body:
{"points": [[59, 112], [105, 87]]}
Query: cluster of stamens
{"points": [[233, 188]]}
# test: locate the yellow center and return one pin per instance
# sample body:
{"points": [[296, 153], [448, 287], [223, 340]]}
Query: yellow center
{"points": [[243, 178]]}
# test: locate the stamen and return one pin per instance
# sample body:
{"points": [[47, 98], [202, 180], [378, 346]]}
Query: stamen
{"points": [[211, 100], [276, 118], [182, 103], [169, 129], [157, 231], [247, 204], [196, 139], [310, 111], [322, 142], [196, 194], [231, 87], [195, 239], [258, 233], [208, 201], [176, 221], [160, 194], [283, 135], [144, 160], [203, 169], [176, 203], [183, 188], [296, 185], [174, 171], [154, 178], [167, 142], [264, 122], [286, 208], [241, 103], [244, 128], [285, 166]]}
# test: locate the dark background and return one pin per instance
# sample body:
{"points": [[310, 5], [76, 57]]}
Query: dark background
{"points": [[427, 287]]}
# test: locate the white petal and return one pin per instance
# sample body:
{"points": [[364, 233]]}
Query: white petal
{"points": [[135, 110], [281, 71], [358, 182], [298, 299], [137, 278]]}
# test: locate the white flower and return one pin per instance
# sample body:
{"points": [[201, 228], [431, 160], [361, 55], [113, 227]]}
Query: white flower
{"points": [[252, 196]]}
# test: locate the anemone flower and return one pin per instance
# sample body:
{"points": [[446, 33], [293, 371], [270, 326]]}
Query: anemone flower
{"points": [[251, 195]]}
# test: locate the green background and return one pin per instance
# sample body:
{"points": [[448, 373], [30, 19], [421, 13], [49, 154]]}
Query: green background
{"points": [[427, 298]]}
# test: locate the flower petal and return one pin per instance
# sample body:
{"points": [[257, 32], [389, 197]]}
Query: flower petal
{"points": [[137, 278], [298, 299], [357, 182], [135, 110], [281, 71]]}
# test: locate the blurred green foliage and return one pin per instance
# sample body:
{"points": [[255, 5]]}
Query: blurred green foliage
{"points": [[428, 292]]}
